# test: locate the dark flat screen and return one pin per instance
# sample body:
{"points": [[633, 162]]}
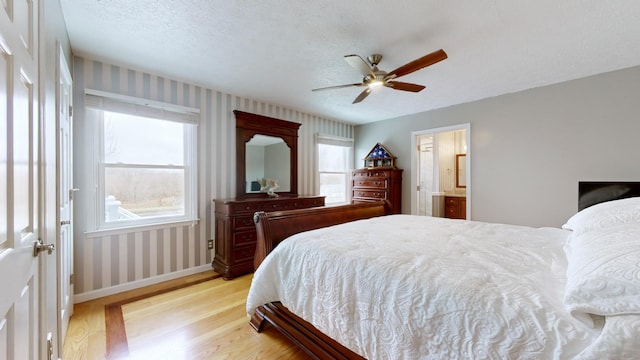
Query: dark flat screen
{"points": [[594, 192]]}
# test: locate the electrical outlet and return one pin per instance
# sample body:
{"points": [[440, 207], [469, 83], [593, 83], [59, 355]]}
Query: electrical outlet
{"points": [[210, 244]]}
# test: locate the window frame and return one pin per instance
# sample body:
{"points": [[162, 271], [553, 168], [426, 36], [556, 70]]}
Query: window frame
{"points": [[326, 139], [96, 103]]}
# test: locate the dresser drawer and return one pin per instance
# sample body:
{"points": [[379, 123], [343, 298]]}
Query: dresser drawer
{"points": [[451, 201], [371, 183], [276, 206], [451, 211], [243, 253], [243, 222], [244, 237], [370, 174], [371, 194], [243, 207], [307, 203], [252, 207]]}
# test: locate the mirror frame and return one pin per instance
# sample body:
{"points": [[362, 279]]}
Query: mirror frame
{"points": [[248, 125], [459, 158]]}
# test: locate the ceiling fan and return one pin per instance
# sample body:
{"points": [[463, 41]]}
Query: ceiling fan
{"points": [[374, 77]]}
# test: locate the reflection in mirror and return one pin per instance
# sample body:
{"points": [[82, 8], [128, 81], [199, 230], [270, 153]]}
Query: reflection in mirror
{"points": [[267, 157], [461, 170]]}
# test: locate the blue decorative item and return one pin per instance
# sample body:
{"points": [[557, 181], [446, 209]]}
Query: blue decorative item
{"points": [[379, 156]]}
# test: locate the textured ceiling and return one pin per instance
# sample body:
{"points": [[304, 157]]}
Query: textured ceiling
{"points": [[277, 51]]}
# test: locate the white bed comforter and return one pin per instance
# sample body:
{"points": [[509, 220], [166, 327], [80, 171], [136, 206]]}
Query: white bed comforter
{"points": [[411, 287]]}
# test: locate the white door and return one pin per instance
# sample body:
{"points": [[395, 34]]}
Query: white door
{"points": [[64, 198], [424, 174], [19, 181]]}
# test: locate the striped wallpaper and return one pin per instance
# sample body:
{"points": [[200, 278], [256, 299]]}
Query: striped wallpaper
{"points": [[117, 261]]}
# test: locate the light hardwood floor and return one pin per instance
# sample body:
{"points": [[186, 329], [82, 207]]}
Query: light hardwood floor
{"points": [[203, 319]]}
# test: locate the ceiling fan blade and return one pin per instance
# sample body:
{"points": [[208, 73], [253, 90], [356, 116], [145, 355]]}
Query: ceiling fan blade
{"points": [[398, 85], [362, 95], [418, 64], [359, 64], [338, 86]]}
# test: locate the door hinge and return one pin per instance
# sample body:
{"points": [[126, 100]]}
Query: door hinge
{"points": [[70, 110], [72, 279], [50, 346]]}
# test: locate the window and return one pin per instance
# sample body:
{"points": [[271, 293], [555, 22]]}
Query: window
{"points": [[335, 160], [144, 162]]}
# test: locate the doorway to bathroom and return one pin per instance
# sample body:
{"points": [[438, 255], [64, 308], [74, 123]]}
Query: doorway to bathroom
{"points": [[441, 172]]}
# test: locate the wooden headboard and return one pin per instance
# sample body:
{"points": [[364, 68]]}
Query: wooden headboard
{"points": [[273, 227], [594, 192]]}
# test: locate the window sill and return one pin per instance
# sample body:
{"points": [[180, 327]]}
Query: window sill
{"points": [[138, 228]]}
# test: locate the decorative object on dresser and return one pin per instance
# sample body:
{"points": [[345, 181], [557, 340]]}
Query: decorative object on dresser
{"points": [[235, 244], [266, 161], [379, 180], [455, 207], [379, 156]]}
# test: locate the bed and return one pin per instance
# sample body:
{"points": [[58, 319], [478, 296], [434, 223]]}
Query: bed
{"points": [[406, 287]]}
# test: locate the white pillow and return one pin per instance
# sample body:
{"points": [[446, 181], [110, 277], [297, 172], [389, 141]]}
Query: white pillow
{"points": [[618, 340], [605, 214], [603, 272]]}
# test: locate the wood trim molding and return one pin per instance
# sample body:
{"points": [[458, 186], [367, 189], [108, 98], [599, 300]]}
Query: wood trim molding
{"points": [[117, 345]]}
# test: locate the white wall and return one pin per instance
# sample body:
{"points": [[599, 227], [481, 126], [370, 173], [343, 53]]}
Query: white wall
{"points": [[529, 149], [254, 163], [275, 166]]}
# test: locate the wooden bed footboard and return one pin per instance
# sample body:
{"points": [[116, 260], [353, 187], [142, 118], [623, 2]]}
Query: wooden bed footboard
{"points": [[316, 344], [273, 227]]}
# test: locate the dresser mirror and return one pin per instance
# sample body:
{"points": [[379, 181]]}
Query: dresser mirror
{"points": [[267, 157], [265, 148]]}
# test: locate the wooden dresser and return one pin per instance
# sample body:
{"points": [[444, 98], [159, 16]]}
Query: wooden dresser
{"points": [[374, 184], [455, 207], [235, 240]]}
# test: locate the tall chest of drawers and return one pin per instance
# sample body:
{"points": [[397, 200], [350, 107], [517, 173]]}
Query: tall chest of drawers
{"points": [[374, 184], [235, 239]]}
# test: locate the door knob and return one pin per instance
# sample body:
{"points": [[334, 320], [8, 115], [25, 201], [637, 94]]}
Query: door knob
{"points": [[39, 247]]}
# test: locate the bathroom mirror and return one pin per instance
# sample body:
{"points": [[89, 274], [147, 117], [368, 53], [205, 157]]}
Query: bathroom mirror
{"points": [[461, 170]]}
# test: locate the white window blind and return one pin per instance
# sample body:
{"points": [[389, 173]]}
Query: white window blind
{"points": [[140, 107], [335, 160]]}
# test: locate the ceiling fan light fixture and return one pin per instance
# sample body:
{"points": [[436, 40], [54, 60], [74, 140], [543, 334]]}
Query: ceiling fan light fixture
{"points": [[375, 84], [374, 78]]}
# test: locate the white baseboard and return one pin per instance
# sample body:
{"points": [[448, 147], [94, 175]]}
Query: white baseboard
{"points": [[94, 294]]}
